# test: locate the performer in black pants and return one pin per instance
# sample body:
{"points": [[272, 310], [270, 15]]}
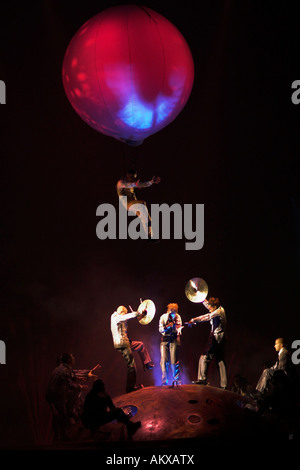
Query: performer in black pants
{"points": [[216, 342]]}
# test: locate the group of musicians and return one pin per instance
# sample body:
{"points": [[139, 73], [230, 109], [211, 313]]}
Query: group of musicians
{"points": [[63, 383], [170, 328], [64, 391]]}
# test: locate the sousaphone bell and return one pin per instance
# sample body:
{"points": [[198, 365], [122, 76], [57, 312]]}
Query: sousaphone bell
{"points": [[150, 307], [196, 290]]}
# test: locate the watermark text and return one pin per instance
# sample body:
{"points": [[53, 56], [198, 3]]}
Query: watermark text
{"points": [[2, 92], [162, 222], [2, 352], [163, 459], [296, 94], [296, 354]]}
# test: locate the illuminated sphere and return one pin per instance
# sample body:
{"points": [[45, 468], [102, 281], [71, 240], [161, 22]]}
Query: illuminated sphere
{"points": [[128, 72]]}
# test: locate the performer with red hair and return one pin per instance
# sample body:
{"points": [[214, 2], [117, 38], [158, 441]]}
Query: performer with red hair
{"points": [[170, 326]]}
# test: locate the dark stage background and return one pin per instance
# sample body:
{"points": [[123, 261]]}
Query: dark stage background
{"points": [[233, 148]]}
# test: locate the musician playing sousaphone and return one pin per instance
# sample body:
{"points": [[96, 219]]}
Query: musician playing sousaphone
{"points": [[126, 346]]}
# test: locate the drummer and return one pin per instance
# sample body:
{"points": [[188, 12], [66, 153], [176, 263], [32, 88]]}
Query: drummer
{"points": [[125, 345]]}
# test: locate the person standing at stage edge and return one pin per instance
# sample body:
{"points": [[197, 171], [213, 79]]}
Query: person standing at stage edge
{"points": [[216, 342]]}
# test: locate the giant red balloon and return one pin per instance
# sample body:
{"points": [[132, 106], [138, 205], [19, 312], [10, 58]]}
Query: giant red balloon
{"points": [[128, 72]]}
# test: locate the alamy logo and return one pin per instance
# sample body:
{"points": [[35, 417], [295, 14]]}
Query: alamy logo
{"points": [[155, 225], [296, 354], [2, 92], [295, 95], [2, 352]]}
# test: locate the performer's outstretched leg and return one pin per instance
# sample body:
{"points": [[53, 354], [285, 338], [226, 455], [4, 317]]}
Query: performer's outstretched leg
{"points": [[140, 209], [264, 380], [142, 351]]}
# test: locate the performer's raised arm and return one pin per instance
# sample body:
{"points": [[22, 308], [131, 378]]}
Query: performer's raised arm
{"points": [[201, 318]]}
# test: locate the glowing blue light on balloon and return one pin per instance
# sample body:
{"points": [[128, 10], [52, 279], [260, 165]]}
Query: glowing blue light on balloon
{"points": [[136, 114], [143, 116]]}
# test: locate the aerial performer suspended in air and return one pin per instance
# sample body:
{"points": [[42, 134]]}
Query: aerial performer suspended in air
{"points": [[126, 191]]}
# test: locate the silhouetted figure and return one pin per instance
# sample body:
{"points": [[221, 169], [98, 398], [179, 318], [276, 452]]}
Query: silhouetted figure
{"points": [[64, 394], [99, 409], [241, 386]]}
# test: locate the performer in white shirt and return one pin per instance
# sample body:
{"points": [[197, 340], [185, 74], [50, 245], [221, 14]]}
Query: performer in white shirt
{"points": [[216, 342], [125, 346]]}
